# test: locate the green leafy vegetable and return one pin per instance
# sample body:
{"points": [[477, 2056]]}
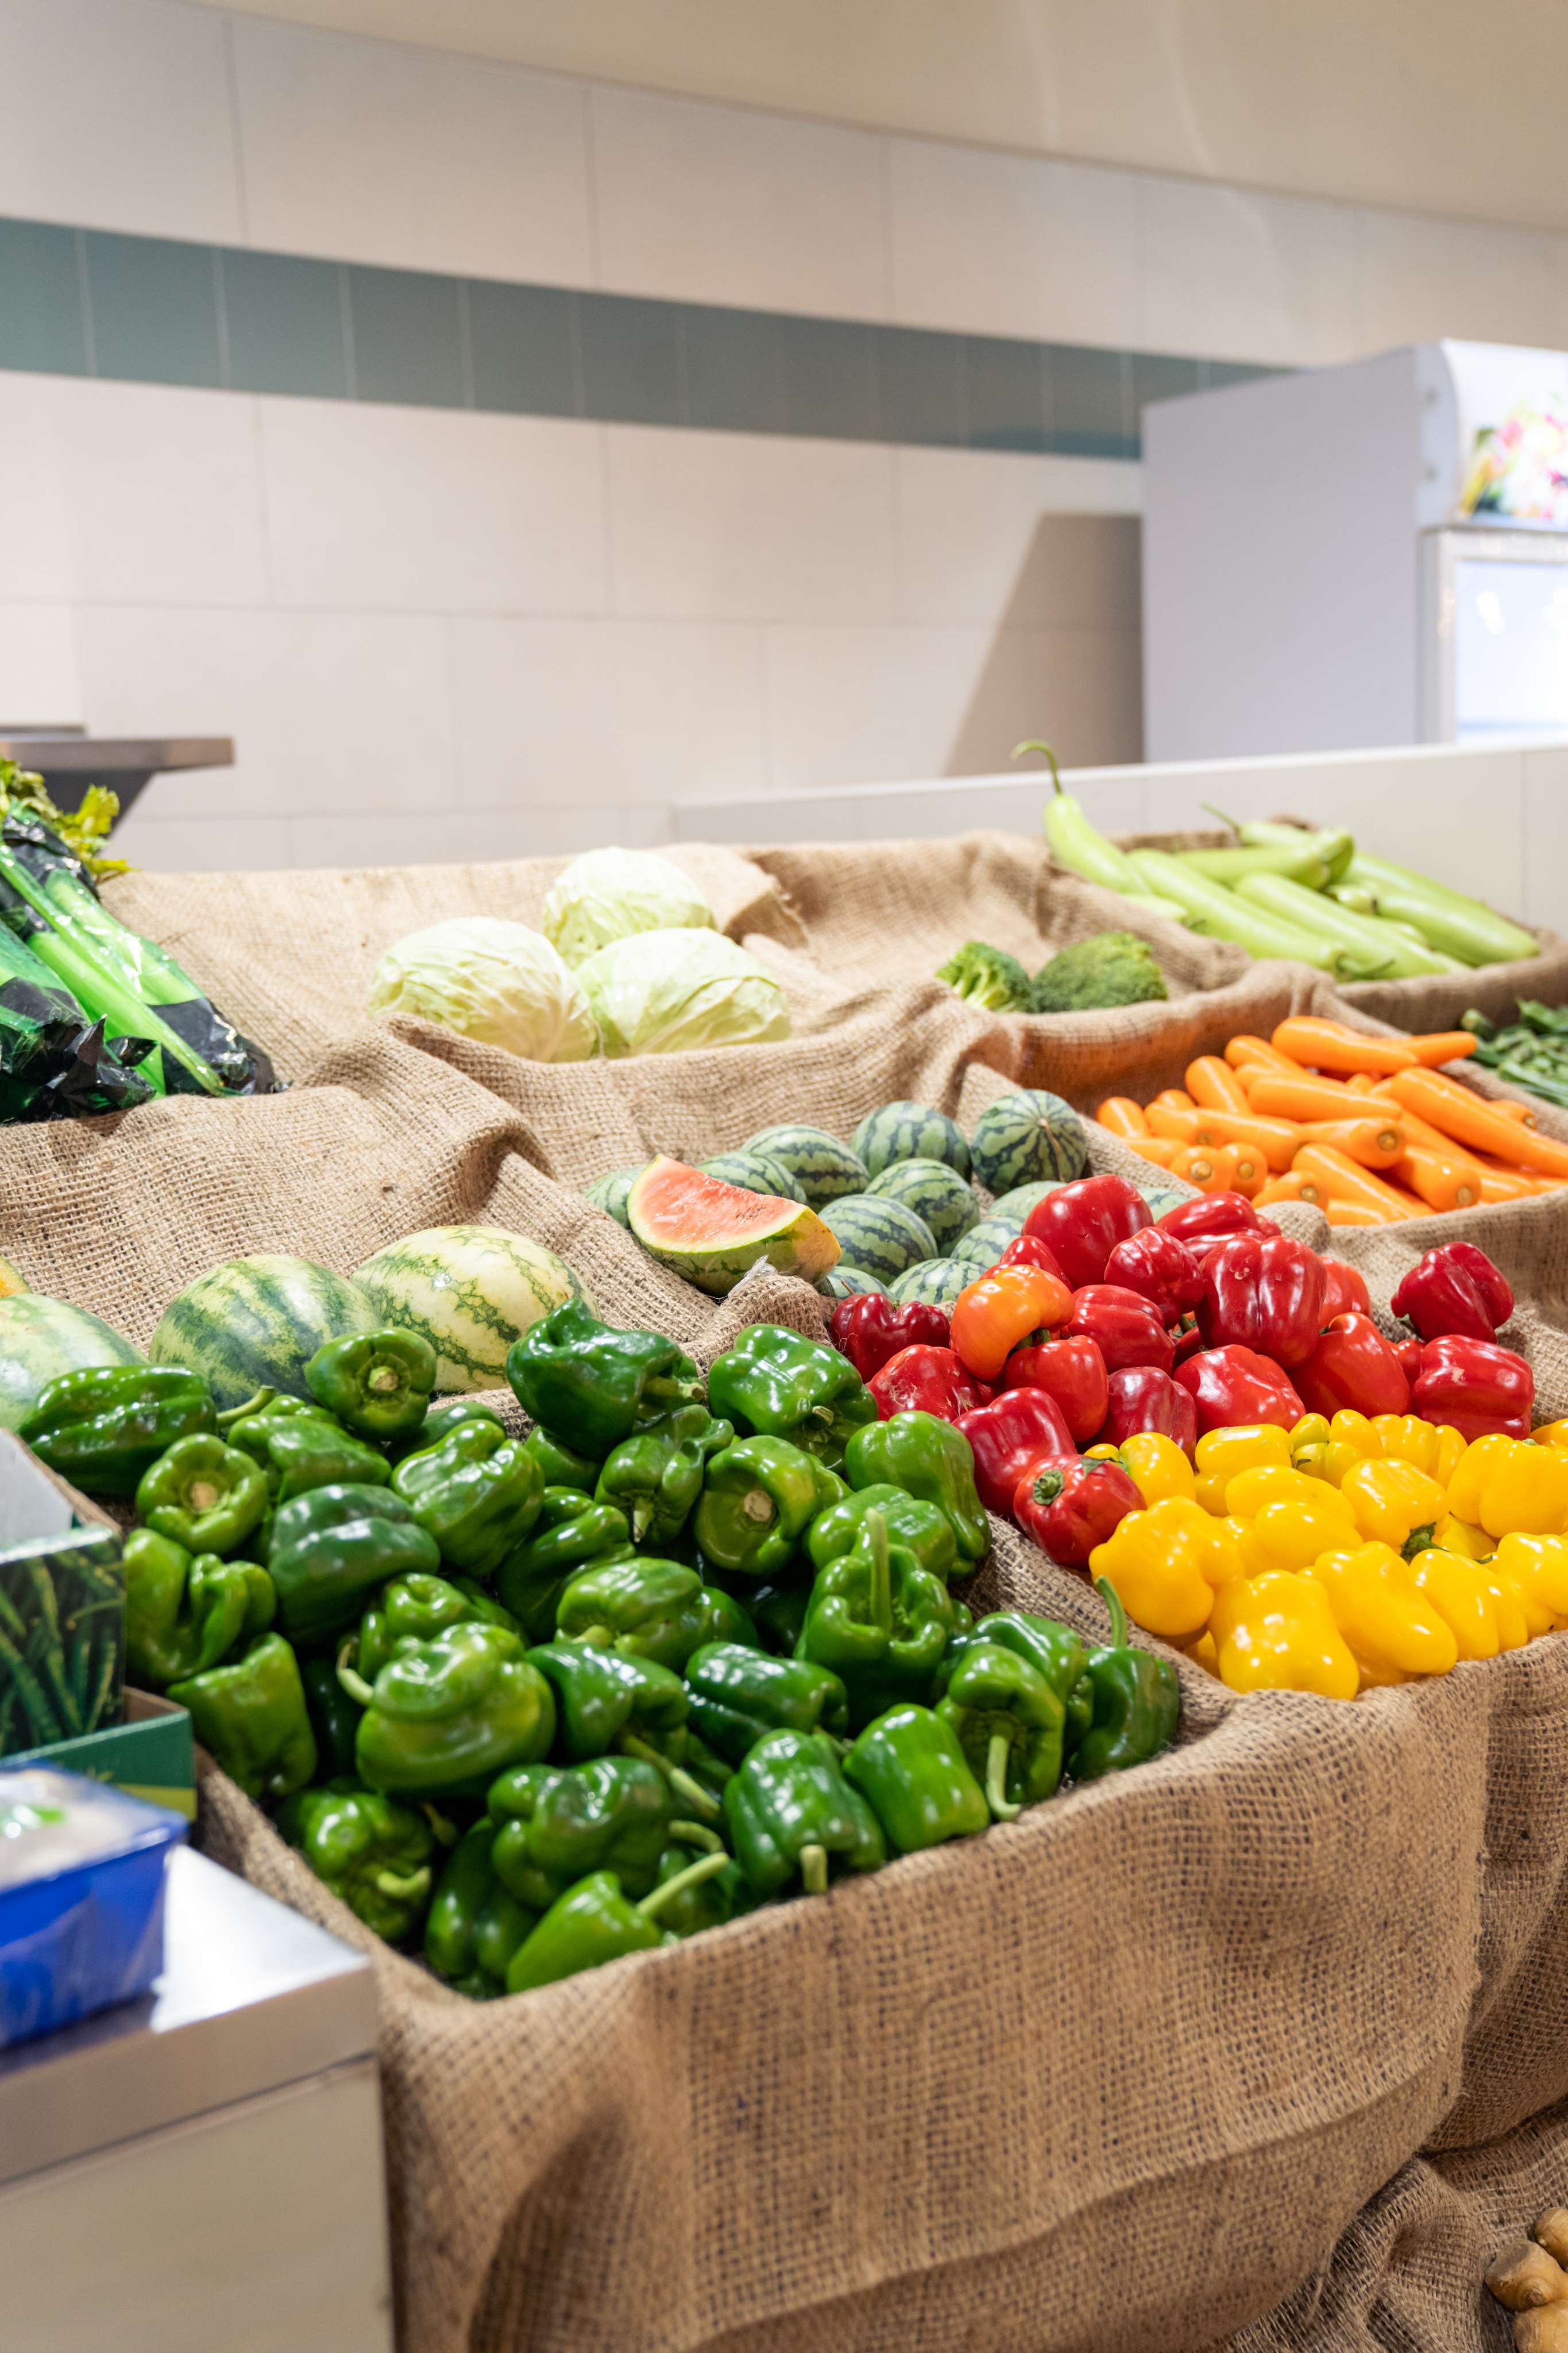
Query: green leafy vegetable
{"points": [[492, 980], [1111, 968], [989, 977]]}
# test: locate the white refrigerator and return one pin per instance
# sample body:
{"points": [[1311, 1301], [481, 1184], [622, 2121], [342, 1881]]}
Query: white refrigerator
{"points": [[1362, 555]]}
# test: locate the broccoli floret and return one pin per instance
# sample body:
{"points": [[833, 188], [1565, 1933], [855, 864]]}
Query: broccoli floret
{"points": [[1113, 969], [988, 977]]}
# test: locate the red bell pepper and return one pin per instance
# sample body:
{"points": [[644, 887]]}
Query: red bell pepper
{"points": [[991, 1316], [1142, 1397], [1188, 1344], [1070, 1507], [1235, 1388], [1163, 1269], [1263, 1290], [1072, 1373], [872, 1328], [1211, 1217], [1125, 1328], [1010, 1434], [1455, 1288], [1475, 1386], [927, 1381], [1354, 1368], [1028, 1249], [1344, 1288], [1083, 1222], [1407, 1355]]}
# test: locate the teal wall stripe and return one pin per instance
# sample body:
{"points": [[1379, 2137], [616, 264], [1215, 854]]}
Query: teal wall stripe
{"points": [[158, 311]]}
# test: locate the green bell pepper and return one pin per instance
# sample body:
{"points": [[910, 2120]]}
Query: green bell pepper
{"points": [[250, 1715], [909, 1765], [562, 1466], [441, 1420], [478, 1493], [374, 1854], [475, 1926], [911, 1521], [792, 1815], [655, 1477], [707, 1903], [103, 1430], [653, 1609], [332, 1546], [205, 1494], [774, 1383], [571, 1531], [1054, 1651], [1009, 1723], [778, 1613], [414, 1608], [725, 1620], [760, 1497], [378, 1384], [927, 1458], [187, 1611], [1137, 1701], [298, 1451], [556, 1823], [334, 1717], [605, 1700], [447, 1715], [589, 1385], [880, 1622], [737, 1695], [594, 1922]]}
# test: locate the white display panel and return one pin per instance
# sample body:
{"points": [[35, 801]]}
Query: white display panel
{"points": [[1511, 647]]}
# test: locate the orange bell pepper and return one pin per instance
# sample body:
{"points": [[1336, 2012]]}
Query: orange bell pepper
{"points": [[993, 1315]]}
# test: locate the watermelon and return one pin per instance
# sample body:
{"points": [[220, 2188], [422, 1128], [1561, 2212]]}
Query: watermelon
{"points": [[936, 1283], [711, 1232], [983, 1244], [253, 1322], [848, 1283], [1161, 1197], [1026, 1137], [878, 1236], [1023, 1198], [754, 1172], [824, 1168], [471, 1291], [911, 1131], [41, 1339], [609, 1193], [934, 1192]]}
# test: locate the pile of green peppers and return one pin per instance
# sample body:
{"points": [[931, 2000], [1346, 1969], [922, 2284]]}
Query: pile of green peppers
{"points": [[539, 1703]]}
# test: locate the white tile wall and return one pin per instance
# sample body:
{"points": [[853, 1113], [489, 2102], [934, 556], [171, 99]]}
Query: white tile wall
{"points": [[1022, 540], [39, 680], [1419, 278], [1224, 273], [161, 490]]}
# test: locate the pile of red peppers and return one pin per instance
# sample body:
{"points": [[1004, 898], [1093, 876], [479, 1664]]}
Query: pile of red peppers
{"points": [[1100, 1320]]}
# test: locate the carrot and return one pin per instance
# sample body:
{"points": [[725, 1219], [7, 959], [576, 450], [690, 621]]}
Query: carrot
{"points": [[1473, 1121], [1210, 1168], [1333, 1046], [1214, 1085], [1441, 1182], [1277, 1140], [1291, 1186], [1498, 1186], [1174, 1099], [1246, 1051], [1161, 1149], [1180, 1127], [1359, 1213], [1122, 1116], [1416, 1130], [1361, 1083], [1512, 1110], [1344, 1180], [1274, 1096], [1374, 1143], [1490, 1167], [1441, 1045]]}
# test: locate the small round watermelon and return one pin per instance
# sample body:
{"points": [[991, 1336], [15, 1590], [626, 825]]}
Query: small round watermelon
{"points": [[711, 1232], [878, 1236], [824, 1169], [1160, 1197], [936, 1283], [911, 1131], [470, 1291], [1024, 1197], [609, 1193], [983, 1244], [754, 1172], [848, 1283], [40, 1339], [934, 1192], [255, 1323], [1024, 1137]]}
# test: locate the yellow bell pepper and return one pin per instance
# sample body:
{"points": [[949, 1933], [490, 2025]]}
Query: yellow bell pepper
{"points": [[1291, 1518], [1203, 1653], [1164, 1563], [1277, 1632], [1392, 1630], [1352, 1440], [1510, 1488], [1539, 1566], [1426, 1445], [1390, 1501], [1513, 1615], [1158, 1468], [1462, 1596], [1457, 1535], [1551, 1433], [1311, 1431], [1221, 1453]]}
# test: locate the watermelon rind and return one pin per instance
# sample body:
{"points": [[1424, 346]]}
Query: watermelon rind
{"points": [[1160, 1197], [848, 1282], [983, 1244], [1026, 1137], [754, 1172], [40, 1339], [911, 1131], [609, 1193], [878, 1236], [255, 1323], [786, 1234], [933, 1191], [470, 1291], [1024, 1197], [936, 1283], [824, 1169]]}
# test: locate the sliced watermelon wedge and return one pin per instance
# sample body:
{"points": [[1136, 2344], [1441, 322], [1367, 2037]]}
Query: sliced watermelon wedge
{"points": [[711, 1232]]}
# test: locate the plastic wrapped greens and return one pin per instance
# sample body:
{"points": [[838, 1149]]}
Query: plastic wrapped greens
{"points": [[54, 1061]]}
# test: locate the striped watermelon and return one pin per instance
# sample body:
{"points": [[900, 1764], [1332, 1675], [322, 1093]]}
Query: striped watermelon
{"points": [[936, 1283], [41, 1339], [713, 1232], [253, 1322], [878, 1236], [982, 1245], [470, 1291], [1023, 1198], [934, 1192], [824, 1169], [1162, 1198], [848, 1283], [609, 1193], [911, 1131], [754, 1172], [1026, 1137]]}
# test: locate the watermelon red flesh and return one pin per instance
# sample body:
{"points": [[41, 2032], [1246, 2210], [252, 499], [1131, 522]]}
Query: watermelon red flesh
{"points": [[713, 1232]]}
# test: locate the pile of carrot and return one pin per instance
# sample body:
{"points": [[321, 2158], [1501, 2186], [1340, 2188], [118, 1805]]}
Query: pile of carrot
{"points": [[1370, 1130]]}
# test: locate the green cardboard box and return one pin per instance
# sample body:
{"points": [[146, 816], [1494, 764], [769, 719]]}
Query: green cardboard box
{"points": [[152, 1755], [62, 1607]]}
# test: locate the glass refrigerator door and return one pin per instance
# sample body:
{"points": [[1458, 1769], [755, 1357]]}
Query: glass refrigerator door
{"points": [[1511, 647]]}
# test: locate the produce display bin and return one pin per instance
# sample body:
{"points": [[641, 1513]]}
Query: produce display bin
{"points": [[62, 1607], [151, 1756]]}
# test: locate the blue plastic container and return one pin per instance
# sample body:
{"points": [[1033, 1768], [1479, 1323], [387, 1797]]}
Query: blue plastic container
{"points": [[81, 1897]]}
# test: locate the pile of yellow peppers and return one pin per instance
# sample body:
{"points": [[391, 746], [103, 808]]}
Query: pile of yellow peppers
{"points": [[1345, 1554]]}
